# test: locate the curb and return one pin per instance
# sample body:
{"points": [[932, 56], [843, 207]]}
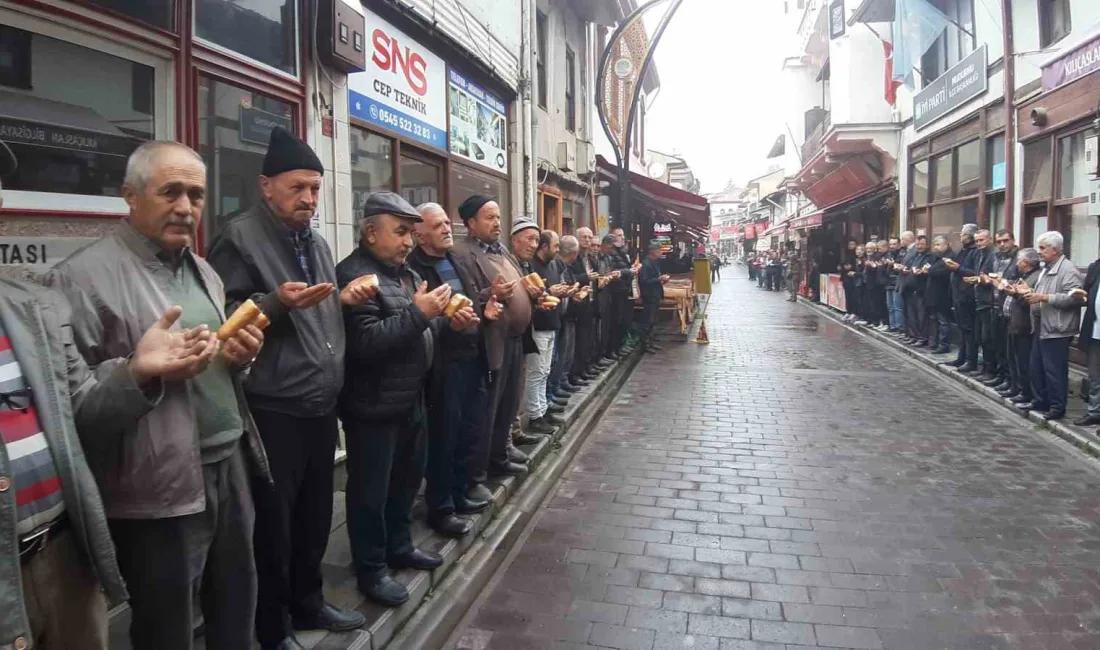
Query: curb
{"points": [[1086, 442], [441, 612]]}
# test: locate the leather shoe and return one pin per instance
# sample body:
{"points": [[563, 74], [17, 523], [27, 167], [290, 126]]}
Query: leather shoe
{"points": [[507, 469], [415, 559], [289, 643], [1021, 400], [450, 525], [516, 456], [383, 589], [568, 388], [578, 381], [331, 618], [1003, 386], [523, 439], [1051, 416], [540, 425], [552, 419], [560, 400], [1088, 420], [476, 493], [467, 506], [1033, 406], [555, 408]]}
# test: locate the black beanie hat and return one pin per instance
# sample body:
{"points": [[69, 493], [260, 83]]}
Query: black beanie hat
{"points": [[286, 152], [470, 207]]}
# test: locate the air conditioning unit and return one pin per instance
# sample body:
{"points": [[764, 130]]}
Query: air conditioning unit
{"points": [[567, 155], [586, 157]]}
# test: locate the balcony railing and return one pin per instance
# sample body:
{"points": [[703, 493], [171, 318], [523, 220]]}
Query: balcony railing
{"points": [[816, 138]]}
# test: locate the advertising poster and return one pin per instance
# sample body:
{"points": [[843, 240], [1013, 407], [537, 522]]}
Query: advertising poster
{"points": [[478, 124], [835, 291], [404, 88], [662, 232]]}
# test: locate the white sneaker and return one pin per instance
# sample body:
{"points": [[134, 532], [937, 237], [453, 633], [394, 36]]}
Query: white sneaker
{"points": [[861, 322]]}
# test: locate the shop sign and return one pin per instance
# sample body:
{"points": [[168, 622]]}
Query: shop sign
{"points": [[715, 233], [729, 232], [478, 124], [404, 88], [255, 126], [963, 82], [1075, 64], [39, 253], [750, 231], [836, 19], [662, 232], [60, 137], [808, 221]]}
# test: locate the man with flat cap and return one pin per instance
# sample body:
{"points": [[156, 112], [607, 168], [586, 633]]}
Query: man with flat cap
{"points": [[391, 341], [269, 254], [496, 273]]}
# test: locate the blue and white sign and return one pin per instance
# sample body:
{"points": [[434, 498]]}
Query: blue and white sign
{"points": [[478, 124], [997, 178], [404, 88]]}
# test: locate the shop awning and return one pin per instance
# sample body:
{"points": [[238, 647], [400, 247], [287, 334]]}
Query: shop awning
{"points": [[807, 221], [688, 210], [34, 121]]}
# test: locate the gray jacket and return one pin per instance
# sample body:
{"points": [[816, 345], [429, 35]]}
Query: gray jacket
{"points": [[69, 397], [153, 470], [300, 371], [1061, 317]]}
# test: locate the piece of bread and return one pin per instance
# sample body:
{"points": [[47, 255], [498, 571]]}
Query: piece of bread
{"points": [[244, 315], [457, 303], [261, 321], [370, 280]]}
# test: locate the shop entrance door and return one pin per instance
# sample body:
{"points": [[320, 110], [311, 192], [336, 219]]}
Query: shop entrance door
{"points": [[420, 177]]}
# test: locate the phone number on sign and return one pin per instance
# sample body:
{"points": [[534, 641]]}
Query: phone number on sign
{"points": [[402, 124]]}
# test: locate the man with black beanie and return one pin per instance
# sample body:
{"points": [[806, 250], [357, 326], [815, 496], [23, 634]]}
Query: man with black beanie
{"points": [[269, 254]]}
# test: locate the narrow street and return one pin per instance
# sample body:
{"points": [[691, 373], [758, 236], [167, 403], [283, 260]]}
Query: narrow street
{"points": [[796, 485]]}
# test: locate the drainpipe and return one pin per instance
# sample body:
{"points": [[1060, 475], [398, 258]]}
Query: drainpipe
{"points": [[1010, 117], [526, 60]]}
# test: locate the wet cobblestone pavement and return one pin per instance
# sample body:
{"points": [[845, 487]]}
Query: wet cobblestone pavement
{"points": [[795, 485]]}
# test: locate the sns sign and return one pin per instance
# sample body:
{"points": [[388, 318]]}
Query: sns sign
{"points": [[404, 88]]}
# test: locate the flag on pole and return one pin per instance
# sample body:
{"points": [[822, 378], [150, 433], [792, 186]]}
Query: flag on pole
{"points": [[917, 24], [891, 85]]}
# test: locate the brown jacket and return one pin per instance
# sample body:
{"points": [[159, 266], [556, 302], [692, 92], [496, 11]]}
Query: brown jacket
{"points": [[470, 258], [153, 470]]}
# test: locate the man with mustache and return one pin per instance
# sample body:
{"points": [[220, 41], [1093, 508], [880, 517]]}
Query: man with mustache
{"points": [[269, 254], [391, 342], [458, 387], [176, 484]]}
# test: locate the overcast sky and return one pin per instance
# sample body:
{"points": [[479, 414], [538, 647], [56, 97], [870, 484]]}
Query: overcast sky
{"points": [[719, 63]]}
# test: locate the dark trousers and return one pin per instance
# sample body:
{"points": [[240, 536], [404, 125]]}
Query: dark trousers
{"points": [[939, 326], [998, 345], [1050, 372], [164, 560], [585, 343], [916, 317], [564, 348], [649, 318], [983, 337], [611, 322], [385, 465], [1019, 363], [876, 305], [964, 315], [458, 399], [293, 518], [625, 305], [506, 389]]}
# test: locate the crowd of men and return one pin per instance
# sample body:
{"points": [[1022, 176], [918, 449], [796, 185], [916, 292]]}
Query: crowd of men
{"points": [[155, 454], [1016, 310]]}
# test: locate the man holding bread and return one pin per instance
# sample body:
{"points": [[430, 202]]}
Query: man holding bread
{"points": [[270, 256], [391, 341], [496, 274], [457, 396], [175, 485]]}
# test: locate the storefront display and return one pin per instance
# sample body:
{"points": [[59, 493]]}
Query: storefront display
{"points": [[478, 124]]}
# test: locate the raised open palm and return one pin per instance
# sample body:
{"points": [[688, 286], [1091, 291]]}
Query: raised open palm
{"points": [[172, 355]]}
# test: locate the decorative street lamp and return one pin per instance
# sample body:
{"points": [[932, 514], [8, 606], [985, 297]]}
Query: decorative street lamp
{"points": [[623, 66]]}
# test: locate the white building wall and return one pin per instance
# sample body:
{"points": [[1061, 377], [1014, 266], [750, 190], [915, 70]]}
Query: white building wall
{"points": [[857, 69], [564, 29]]}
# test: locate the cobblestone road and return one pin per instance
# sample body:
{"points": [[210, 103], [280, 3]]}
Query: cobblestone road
{"points": [[795, 485]]}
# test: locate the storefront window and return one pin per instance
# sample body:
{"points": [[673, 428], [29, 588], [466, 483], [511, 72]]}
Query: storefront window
{"points": [[234, 128], [942, 177], [467, 181], [948, 219], [421, 182], [371, 165], [995, 211], [158, 13], [1073, 172], [970, 168], [1037, 172], [69, 135], [567, 218], [918, 176], [264, 30], [1084, 234]]}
